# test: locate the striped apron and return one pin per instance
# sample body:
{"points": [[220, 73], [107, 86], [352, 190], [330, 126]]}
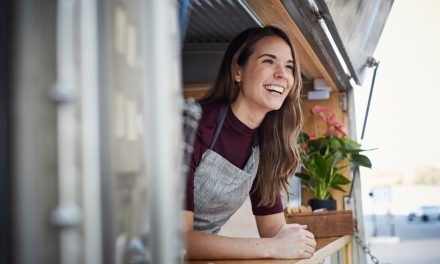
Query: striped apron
{"points": [[220, 188]]}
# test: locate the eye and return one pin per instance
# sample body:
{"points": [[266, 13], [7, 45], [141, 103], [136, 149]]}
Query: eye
{"points": [[269, 61], [290, 67]]}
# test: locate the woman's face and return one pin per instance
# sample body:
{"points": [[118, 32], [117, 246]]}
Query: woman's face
{"points": [[267, 77]]}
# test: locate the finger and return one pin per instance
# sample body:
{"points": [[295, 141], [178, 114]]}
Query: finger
{"points": [[310, 242], [309, 234], [306, 254], [297, 226], [309, 249]]}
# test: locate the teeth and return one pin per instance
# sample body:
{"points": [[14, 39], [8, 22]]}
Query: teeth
{"points": [[274, 88]]}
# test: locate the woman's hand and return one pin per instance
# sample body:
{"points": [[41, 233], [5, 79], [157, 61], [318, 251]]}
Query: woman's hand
{"points": [[290, 242], [293, 241]]}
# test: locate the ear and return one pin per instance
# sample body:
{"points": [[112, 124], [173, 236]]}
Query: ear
{"points": [[238, 74]]}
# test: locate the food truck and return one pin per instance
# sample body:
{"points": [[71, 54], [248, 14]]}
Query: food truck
{"points": [[92, 167]]}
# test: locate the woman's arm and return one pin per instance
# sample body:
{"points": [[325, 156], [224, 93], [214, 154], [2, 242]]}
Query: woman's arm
{"points": [[269, 225], [291, 241]]}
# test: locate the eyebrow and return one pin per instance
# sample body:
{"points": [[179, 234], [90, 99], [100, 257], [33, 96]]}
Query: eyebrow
{"points": [[273, 57]]}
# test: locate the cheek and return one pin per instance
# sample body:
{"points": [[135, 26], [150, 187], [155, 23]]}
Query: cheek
{"points": [[258, 75], [291, 82], [255, 78]]}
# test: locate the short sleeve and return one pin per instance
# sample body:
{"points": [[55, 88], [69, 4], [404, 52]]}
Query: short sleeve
{"points": [[265, 210]]}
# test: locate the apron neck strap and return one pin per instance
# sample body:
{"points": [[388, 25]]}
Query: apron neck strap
{"points": [[255, 143], [220, 119]]}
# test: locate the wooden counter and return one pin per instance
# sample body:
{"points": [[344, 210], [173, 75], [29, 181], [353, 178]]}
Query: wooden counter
{"points": [[324, 248]]}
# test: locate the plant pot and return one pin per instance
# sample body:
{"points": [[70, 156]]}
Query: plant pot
{"points": [[319, 204]]}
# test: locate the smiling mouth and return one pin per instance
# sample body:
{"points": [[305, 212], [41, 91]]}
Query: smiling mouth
{"points": [[274, 88]]}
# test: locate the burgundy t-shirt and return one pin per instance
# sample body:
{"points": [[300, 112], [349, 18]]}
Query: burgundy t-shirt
{"points": [[234, 143]]}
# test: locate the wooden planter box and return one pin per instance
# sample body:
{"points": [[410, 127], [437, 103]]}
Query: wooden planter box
{"points": [[324, 224]]}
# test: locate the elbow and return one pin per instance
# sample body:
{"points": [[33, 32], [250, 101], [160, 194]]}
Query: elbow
{"points": [[269, 231]]}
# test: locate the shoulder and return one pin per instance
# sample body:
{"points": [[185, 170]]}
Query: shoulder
{"points": [[207, 124], [210, 111]]}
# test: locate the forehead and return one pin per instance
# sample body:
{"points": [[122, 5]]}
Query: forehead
{"points": [[273, 45]]}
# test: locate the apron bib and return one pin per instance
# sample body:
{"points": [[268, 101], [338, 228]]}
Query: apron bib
{"points": [[220, 188]]}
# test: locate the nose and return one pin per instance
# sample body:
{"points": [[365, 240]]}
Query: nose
{"points": [[280, 72]]}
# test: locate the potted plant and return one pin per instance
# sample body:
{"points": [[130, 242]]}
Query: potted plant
{"points": [[324, 158]]}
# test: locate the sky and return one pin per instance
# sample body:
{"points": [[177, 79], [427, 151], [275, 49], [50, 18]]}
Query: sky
{"points": [[404, 118]]}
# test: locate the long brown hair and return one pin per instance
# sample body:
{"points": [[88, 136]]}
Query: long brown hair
{"points": [[278, 133]]}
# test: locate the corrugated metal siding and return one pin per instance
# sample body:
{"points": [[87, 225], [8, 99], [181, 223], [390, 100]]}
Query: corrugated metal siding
{"points": [[216, 21]]}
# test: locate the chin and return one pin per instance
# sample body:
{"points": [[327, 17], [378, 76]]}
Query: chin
{"points": [[274, 107], [271, 105]]}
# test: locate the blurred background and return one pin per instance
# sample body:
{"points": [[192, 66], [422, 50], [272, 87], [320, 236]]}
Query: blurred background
{"points": [[401, 194]]}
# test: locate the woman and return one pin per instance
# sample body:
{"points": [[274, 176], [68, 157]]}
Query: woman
{"points": [[246, 144]]}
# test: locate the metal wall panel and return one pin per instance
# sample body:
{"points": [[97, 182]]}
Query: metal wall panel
{"points": [[34, 125], [215, 21], [212, 25], [124, 179]]}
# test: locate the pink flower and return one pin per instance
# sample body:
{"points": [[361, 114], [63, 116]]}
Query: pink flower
{"points": [[317, 109], [341, 129], [331, 132], [330, 120], [334, 128], [312, 137]]}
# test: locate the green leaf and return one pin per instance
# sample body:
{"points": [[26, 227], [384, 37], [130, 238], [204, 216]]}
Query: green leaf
{"points": [[337, 187], [303, 137], [340, 179], [351, 151], [337, 158], [321, 193], [349, 143], [361, 160], [341, 168], [335, 143], [355, 151], [322, 167]]}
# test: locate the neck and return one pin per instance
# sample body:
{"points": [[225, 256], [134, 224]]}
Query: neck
{"points": [[250, 115]]}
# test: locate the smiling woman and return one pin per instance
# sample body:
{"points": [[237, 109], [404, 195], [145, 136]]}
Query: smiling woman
{"points": [[267, 77], [247, 145]]}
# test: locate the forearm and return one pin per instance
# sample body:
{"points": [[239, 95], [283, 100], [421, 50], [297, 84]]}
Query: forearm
{"points": [[209, 246], [269, 225]]}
